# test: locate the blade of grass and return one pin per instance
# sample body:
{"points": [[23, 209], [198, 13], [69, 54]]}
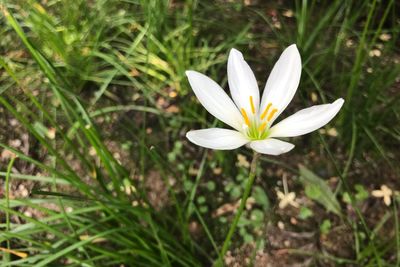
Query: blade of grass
{"points": [[7, 193], [38, 178]]}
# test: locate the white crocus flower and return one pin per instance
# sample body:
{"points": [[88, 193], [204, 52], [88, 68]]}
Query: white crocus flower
{"points": [[251, 118]]}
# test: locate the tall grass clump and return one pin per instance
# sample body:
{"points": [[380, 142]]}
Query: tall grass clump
{"points": [[95, 212]]}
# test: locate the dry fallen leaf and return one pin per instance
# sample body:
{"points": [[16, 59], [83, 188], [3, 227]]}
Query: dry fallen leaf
{"points": [[173, 109], [385, 193], [232, 207], [7, 154], [385, 37], [96, 240], [287, 199], [14, 252], [288, 13], [242, 161]]}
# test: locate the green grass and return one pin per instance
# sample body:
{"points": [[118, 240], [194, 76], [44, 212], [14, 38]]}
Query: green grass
{"points": [[99, 89]]}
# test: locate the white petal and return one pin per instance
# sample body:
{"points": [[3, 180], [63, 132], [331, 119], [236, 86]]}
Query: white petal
{"points": [[306, 120], [283, 81], [215, 100], [271, 146], [242, 82], [217, 138]]}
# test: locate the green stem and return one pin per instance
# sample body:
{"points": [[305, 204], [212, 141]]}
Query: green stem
{"points": [[243, 201]]}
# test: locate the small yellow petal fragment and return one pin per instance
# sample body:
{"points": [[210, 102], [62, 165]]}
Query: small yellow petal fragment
{"points": [[246, 118], [266, 111], [272, 114], [253, 110], [262, 127]]}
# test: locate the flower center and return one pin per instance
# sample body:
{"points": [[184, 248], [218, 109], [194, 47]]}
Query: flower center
{"points": [[257, 127]]}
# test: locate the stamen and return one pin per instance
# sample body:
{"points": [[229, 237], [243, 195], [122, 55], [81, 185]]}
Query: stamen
{"points": [[262, 127], [253, 110], [246, 118], [272, 114], [265, 111]]}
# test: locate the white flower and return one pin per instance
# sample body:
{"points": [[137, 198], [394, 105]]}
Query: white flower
{"points": [[251, 118]]}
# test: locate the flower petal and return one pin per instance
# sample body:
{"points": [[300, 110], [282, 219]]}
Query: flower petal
{"points": [[215, 100], [217, 138], [283, 81], [242, 82], [271, 146], [306, 120]]}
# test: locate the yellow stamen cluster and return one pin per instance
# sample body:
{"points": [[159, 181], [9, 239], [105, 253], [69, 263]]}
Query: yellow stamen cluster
{"points": [[258, 127]]}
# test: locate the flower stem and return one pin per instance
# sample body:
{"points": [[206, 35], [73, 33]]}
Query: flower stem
{"points": [[239, 212]]}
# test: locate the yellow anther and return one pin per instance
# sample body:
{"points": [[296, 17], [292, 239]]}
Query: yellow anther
{"points": [[246, 118], [272, 114], [265, 111], [262, 127], [253, 110]]}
